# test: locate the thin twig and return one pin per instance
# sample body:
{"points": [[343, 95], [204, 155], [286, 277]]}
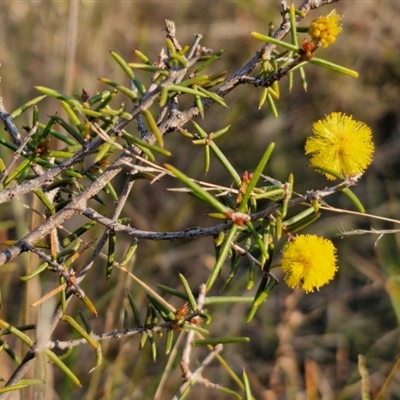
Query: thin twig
{"points": [[185, 359], [69, 344], [118, 209], [309, 198], [9, 124], [17, 153], [196, 375], [67, 274]]}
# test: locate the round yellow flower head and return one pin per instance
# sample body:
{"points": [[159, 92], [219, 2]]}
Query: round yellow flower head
{"points": [[325, 30], [341, 145], [309, 261]]}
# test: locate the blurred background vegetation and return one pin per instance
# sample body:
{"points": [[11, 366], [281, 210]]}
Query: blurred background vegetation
{"points": [[298, 340]]}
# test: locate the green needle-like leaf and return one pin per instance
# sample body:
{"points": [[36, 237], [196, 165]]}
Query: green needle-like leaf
{"points": [[222, 257], [78, 232], [153, 127], [112, 240], [263, 291], [247, 391], [271, 104], [165, 312], [75, 133], [72, 115], [130, 252], [188, 291], [15, 331], [277, 42], [173, 291], [89, 305], [354, 199], [256, 176], [124, 65], [213, 96], [123, 89], [21, 170], [16, 113], [293, 25], [235, 262], [46, 202], [299, 217], [197, 189], [56, 360], [23, 383], [35, 272], [135, 310], [141, 143], [209, 60], [257, 238], [334, 67], [325, 170], [170, 341], [288, 195], [60, 96], [86, 323], [82, 332]]}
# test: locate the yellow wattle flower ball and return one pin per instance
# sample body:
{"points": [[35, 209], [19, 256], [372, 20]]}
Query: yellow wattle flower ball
{"points": [[340, 144], [325, 29], [309, 261]]}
